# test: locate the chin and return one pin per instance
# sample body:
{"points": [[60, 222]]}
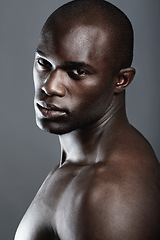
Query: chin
{"points": [[53, 127]]}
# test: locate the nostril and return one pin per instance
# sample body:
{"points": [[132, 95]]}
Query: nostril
{"points": [[46, 91]]}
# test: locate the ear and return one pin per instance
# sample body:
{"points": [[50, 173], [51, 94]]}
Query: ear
{"points": [[125, 77]]}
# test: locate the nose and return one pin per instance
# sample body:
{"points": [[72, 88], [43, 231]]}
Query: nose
{"points": [[54, 84]]}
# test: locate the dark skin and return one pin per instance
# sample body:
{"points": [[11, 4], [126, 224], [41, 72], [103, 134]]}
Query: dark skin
{"points": [[107, 185]]}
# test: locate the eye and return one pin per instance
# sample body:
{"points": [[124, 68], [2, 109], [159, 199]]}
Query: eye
{"points": [[44, 63], [80, 72]]}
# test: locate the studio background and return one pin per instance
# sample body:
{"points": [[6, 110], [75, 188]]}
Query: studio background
{"points": [[27, 153]]}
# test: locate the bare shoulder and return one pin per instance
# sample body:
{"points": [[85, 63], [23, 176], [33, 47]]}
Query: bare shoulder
{"points": [[123, 199], [124, 202]]}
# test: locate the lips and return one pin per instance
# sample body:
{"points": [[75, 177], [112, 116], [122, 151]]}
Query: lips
{"points": [[50, 111]]}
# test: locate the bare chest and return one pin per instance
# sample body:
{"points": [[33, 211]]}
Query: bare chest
{"points": [[55, 209], [66, 196]]}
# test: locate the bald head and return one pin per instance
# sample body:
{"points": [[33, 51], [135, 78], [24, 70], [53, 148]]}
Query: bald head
{"points": [[104, 15]]}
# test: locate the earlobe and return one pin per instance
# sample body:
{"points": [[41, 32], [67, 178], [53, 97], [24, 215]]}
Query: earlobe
{"points": [[124, 78]]}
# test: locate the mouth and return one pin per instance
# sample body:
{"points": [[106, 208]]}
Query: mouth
{"points": [[50, 111]]}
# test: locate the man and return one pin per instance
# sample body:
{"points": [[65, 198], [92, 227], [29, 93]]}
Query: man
{"points": [[107, 185]]}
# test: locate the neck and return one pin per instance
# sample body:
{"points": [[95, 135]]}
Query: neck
{"points": [[93, 143]]}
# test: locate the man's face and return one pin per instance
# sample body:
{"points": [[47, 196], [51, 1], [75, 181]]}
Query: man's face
{"points": [[73, 79]]}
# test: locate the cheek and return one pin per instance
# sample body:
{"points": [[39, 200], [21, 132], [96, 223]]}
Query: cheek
{"points": [[93, 98], [35, 79], [37, 82]]}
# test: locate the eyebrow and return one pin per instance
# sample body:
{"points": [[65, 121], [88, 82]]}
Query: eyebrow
{"points": [[40, 53], [78, 64]]}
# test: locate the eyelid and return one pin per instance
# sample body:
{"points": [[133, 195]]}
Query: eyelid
{"points": [[38, 58], [81, 69], [73, 68], [77, 76]]}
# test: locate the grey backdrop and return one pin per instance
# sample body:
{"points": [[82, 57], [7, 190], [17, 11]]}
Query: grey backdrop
{"points": [[28, 154]]}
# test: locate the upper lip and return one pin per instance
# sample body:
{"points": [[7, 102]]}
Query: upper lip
{"points": [[50, 107]]}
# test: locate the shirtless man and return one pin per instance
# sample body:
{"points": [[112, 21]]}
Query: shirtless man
{"points": [[107, 185]]}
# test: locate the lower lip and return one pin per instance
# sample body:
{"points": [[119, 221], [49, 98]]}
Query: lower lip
{"points": [[51, 114]]}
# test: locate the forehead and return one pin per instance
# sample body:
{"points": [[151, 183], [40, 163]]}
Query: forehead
{"points": [[76, 41]]}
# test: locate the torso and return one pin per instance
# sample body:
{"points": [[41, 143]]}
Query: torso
{"points": [[56, 209], [60, 209]]}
